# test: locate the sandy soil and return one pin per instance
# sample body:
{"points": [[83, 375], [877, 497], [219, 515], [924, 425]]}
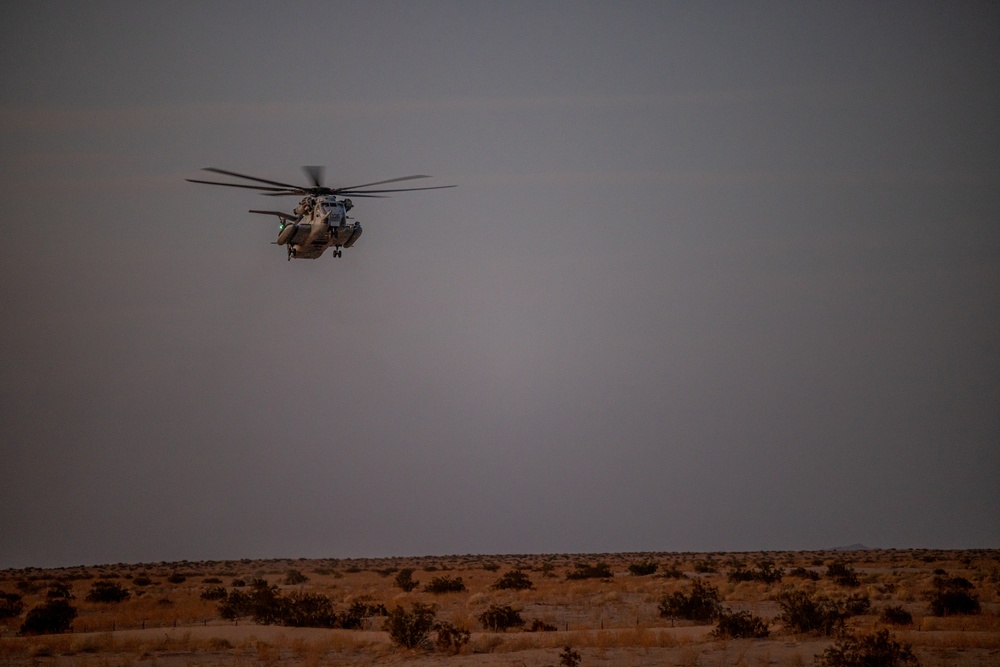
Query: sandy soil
{"points": [[165, 622]]}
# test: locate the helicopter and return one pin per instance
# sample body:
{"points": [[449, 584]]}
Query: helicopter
{"points": [[320, 220]]}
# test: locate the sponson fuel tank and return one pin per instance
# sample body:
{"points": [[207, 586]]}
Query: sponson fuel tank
{"points": [[354, 235], [286, 233]]}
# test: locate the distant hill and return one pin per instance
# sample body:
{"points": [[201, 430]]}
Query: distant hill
{"points": [[853, 547]]}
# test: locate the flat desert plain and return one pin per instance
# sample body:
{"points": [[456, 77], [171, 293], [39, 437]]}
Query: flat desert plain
{"points": [[939, 607]]}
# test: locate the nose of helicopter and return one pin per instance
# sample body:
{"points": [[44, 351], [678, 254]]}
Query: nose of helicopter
{"points": [[335, 217]]}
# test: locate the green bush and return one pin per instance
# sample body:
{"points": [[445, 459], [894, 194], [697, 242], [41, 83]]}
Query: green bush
{"points": [[515, 580], [59, 590], [214, 593], [538, 625], [803, 613], [765, 572], [265, 605], [405, 580], [569, 657], [700, 605], [306, 610], [857, 604], [588, 571], [262, 602], [896, 616], [842, 574], [107, 591], [499, 618], [294, 578], [440, 585], [411, 629], [29, 586], [878, 649], [953, 596], [705, 566], [235, 605], [803, 573], [740, 625], [52, 617], [11, 605], [643, 569], [671, 572], [362, 608]]}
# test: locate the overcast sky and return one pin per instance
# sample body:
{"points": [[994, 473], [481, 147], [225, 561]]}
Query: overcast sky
{"points": [[716, 276]]}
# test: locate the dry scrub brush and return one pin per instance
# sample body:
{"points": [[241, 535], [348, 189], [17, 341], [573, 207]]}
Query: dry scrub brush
{"points": [[620, 599]]}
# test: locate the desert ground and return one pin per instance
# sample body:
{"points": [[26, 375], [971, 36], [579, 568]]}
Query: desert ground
{"points": [[562, 609]]}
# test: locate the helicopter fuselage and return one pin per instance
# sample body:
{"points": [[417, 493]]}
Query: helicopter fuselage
{"points": [[322, 223]]}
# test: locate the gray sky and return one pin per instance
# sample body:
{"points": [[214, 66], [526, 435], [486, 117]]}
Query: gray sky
{"points": [[716, 277]]}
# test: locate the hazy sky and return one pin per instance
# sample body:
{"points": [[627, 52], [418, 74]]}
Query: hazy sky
{"points": [[717, 276]]}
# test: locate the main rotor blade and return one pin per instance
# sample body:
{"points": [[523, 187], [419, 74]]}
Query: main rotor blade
{"points": [[238, 185], [391, 180], [299, 194], [315, 174], [352, 193], [252, 178]]}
